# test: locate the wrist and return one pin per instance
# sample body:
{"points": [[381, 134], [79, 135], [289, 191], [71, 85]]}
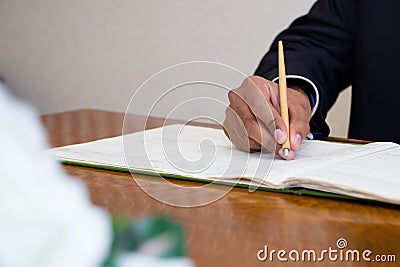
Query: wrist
{"points": [[307, 86], [302, 87], [298, 89]]}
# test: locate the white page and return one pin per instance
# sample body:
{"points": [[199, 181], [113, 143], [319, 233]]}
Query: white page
{"points": [[205, 153], [105, 152], [190, 151], [373, 175]]}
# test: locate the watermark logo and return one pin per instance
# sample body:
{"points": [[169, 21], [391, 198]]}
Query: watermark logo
{"points": [[341, 243], [339, 253]]}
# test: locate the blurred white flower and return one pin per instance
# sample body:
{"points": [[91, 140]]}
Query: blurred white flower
{"points": [[46, 218]]}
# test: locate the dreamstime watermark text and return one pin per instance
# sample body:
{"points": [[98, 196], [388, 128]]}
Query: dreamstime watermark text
{"points": [[338, 253]]}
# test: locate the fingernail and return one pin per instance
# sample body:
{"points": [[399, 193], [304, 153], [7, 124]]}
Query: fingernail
{"points": [[279, 136], [281, 153]]}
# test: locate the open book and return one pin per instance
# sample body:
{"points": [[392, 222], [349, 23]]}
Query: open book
{"points": [[369, 171]]}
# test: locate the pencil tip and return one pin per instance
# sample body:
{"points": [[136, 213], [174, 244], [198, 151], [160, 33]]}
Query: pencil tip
{"points": [[286, 152]]}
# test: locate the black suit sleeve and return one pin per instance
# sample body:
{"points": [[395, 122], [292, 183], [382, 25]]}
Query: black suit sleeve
{"points": [[318, 46]]}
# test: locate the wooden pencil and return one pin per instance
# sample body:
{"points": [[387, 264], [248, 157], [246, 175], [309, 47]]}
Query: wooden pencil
{"points": [[283, 103]]}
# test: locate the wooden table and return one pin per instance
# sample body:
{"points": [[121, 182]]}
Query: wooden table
{"points": [[231, 231]]}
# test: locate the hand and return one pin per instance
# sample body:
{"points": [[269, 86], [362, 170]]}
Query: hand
{"points": [[253, 121]]}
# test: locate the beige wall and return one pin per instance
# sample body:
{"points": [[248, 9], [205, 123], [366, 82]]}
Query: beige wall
{"points": [[63, 55], [339, 116]]}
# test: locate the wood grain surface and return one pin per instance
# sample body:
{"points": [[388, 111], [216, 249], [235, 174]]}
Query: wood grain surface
{"points": [[230, 231]]}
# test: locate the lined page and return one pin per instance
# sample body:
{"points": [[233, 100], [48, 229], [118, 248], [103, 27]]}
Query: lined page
{"points": [[371, 176], [204, 153]]}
